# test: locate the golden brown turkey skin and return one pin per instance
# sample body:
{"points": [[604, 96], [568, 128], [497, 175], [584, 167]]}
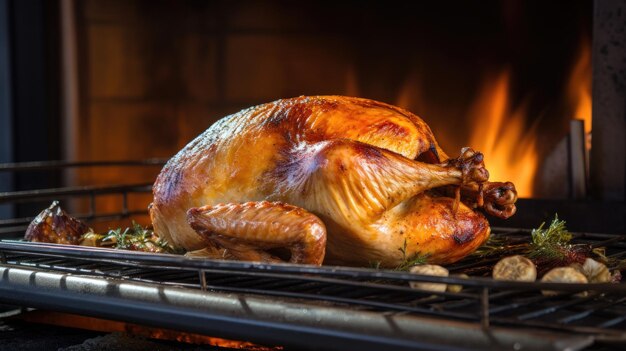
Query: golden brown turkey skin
{"points": [[250, 229], [350, 162]]}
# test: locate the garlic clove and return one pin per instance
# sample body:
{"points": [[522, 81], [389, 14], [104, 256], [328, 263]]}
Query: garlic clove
{"points": [[596, 272], [563, 275], [429, 269], [457, 287], [515, 268]]}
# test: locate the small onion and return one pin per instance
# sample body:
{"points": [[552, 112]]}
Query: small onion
{"points": [[429, 269], [515, 268]]}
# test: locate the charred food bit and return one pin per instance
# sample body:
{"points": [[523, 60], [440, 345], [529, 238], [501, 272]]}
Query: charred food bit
{"points": [[429, 269], [594, 271], [563, 275], [515, 268], [53, 225]]}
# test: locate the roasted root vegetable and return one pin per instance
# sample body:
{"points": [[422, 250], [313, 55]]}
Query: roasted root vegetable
{"points": [[594, 271], [53, 225], [563, 275]]}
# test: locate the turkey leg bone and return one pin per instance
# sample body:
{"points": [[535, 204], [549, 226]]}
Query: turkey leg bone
{"points": [[361, 182], [496, 198]]}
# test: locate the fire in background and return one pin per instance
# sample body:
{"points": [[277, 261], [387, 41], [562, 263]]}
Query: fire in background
{"points": [[504, 77]]}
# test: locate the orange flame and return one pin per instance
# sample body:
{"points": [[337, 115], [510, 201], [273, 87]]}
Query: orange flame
{"points": [[497, 130], [579, 88], [500, 134]]}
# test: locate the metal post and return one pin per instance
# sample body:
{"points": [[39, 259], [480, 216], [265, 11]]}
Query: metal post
{"points": [[6, 112], [577, 160], [608, 149]]}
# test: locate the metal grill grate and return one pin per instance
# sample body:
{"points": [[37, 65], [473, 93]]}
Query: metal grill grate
{"points": [[483, 302], [15, 227]]}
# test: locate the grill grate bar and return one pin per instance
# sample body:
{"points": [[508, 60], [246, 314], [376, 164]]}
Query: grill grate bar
{"points": [[340, 275], [56, 193], [277, 284], [540, 325], [553, 308], [613, 322], [521, 303], [347, 301], [52, 165], [113, 216], [374, 291], [589, 311]]}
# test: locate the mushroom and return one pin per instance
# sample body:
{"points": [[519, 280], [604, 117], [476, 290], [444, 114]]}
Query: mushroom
{"points": [[515, 268], [563, 275], [429, 269]]}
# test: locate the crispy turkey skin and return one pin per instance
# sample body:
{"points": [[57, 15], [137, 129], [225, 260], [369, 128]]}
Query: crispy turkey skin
{"points": [[331, 179]]}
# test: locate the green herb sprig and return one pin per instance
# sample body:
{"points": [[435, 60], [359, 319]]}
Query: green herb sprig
{"points": [[551, 242], [408, 262], [136, 238]]}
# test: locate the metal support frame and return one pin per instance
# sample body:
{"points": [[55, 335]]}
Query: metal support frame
{"points": [[6, 112], [266, 321], [608, 152], [29, 92]]}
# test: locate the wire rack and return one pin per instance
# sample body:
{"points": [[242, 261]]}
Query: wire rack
{"points": [[599, 312]]}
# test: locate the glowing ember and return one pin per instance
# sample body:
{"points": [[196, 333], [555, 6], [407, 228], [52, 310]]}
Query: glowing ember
{"points": [[104, 325], [501, 135]]}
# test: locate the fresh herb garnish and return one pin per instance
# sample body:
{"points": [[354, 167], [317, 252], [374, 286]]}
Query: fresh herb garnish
{"points": [[135, 238], [408, 262], [495, 244], [552, 242]]}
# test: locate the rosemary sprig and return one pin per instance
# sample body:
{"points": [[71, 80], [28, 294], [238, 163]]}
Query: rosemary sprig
{"points": [[552, 242], [495, 244], [135, 238], [374, 264], [408, 262], [414, 260]]}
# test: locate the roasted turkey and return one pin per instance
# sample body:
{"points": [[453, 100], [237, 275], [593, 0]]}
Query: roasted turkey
{"points": [[326, 179]]}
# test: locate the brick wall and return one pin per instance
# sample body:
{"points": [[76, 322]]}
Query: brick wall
{"points": [[154, 74]]}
